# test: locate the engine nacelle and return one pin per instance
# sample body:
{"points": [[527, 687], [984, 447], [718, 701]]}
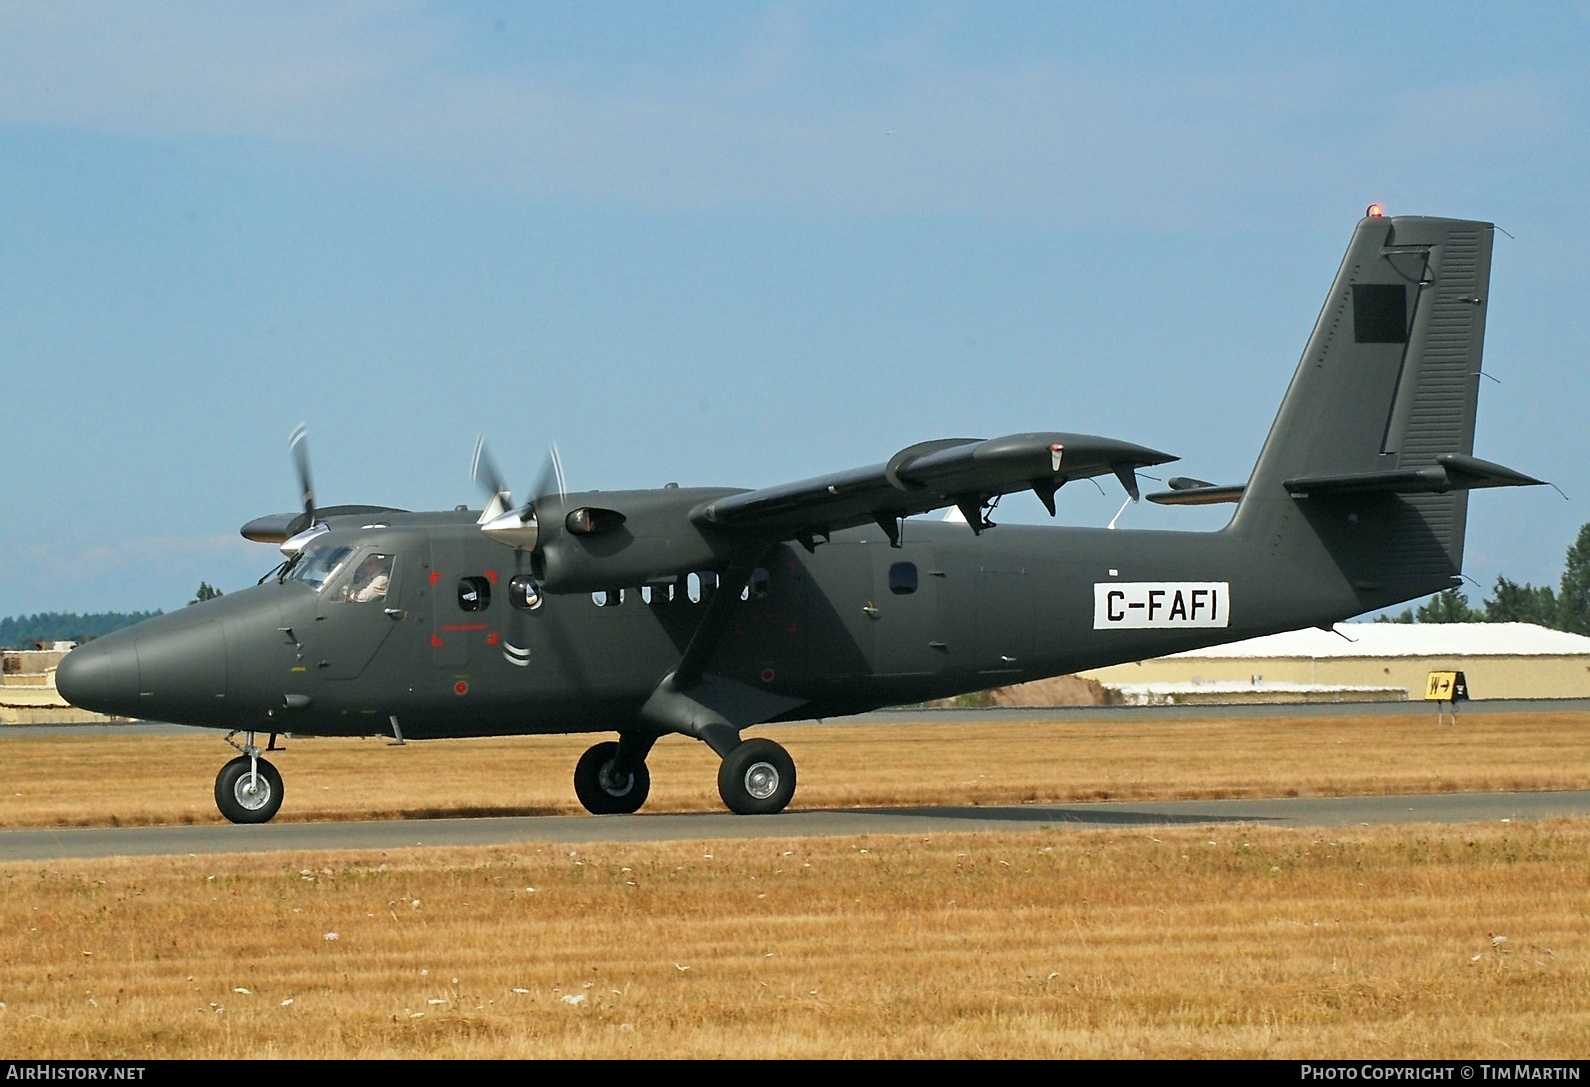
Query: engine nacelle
{"points": [[618, 539]]}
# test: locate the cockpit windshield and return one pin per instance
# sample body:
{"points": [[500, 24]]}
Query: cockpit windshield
{"points": [[317, 563]]}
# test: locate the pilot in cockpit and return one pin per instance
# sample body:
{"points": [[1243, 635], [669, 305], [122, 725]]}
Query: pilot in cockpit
{"points": [[371, 580]]}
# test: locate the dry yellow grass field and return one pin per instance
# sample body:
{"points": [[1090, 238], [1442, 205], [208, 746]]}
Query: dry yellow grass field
{"points": [[1234, 942], [63, 780]]}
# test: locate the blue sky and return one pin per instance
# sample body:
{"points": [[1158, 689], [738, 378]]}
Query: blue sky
{"points": [[729, 244]]}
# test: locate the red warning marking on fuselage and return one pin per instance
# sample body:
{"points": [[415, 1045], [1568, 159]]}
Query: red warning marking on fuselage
{"points": [[436, 575], [491, 639], [491, 576], [436, 641]]}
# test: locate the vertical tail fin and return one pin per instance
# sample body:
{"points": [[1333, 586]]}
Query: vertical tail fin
{"points": [[1380, 408]]}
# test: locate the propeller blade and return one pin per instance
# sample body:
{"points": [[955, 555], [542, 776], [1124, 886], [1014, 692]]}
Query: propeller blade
{"points": [[298, 445], [483, 470], [551, 476]]}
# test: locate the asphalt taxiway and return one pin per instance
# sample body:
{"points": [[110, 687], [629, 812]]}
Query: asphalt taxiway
{"points": [[78, 842]]}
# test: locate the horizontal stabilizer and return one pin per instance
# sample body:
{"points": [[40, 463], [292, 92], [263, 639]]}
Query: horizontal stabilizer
{"points": [[1450, 472], [932, 475]]}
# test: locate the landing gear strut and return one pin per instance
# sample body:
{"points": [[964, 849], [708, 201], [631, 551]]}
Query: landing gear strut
{"points": [[612, 779], [248, 789], [757, 778]]}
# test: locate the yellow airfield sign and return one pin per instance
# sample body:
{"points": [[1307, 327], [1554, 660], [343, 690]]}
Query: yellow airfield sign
{"points": [[1446, 687]]}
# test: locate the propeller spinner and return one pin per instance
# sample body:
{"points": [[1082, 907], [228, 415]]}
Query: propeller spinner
{"points": [[517, 526]]}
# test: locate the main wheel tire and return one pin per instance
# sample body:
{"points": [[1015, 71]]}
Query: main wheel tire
{"points": [[757, 778], [601, 795], [244, 798]]}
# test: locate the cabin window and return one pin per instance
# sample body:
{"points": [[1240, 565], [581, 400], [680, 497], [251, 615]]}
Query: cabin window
{"points": [[370, 581], [607, 598], [474, 593], [902, 578], [523, 592], [757, 587], [657, 594], [700, 586]]}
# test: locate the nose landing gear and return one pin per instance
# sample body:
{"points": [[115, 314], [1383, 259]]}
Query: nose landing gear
{"points": [[248, 789], [607, 785]]}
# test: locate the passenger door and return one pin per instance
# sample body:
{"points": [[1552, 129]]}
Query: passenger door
{"points": [[905, 611]]}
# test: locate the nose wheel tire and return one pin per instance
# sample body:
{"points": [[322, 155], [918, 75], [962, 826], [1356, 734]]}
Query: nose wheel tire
{"points": [[245, 796], [757, 778], [602, 790]]}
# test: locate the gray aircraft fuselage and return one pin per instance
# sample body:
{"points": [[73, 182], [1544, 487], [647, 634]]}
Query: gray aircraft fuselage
{"points": [[826, 629]]}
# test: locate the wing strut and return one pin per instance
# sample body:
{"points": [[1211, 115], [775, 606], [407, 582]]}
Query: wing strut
{"points": [[712, 708]]}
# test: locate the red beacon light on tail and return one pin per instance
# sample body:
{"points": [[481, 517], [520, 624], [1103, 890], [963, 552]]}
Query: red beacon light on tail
{"points": [[1374, 211]]}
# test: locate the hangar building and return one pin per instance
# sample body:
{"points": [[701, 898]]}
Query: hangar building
{"points": [[1362, 662], [27, 688]]}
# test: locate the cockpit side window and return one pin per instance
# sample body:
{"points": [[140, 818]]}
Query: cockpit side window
{"points": [[318, 564], [370, 581]]}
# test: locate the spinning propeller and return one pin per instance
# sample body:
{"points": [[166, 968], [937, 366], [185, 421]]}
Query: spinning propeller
{"points": [[298, 445], [519, 526], [293, 530]]}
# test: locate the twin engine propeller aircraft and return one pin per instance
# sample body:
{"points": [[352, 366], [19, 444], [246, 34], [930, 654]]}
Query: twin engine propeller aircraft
{"points": [[704, 611]]}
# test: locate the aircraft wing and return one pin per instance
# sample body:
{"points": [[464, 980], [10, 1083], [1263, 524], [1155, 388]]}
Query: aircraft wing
{"points": [[964, 472]]}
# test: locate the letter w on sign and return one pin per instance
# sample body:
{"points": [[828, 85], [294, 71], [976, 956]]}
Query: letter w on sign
{"points": [[1138, 605]]}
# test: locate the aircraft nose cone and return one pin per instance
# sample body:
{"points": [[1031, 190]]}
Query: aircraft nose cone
{"points": [[101, 676]]}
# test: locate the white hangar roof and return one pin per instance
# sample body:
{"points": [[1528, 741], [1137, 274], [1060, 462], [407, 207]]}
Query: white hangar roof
{"points": [[1405, 640]]}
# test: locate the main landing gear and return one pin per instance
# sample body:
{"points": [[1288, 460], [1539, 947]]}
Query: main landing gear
{"points": [[756, 777], [248, 789]]}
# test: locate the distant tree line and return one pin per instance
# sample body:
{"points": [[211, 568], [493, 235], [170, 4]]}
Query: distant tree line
{"points": [[22, 631], [1565, 608], [206, 592]]}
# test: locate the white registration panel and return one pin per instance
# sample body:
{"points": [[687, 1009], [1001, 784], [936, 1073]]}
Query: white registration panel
{"points": [[1135, 605]]}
